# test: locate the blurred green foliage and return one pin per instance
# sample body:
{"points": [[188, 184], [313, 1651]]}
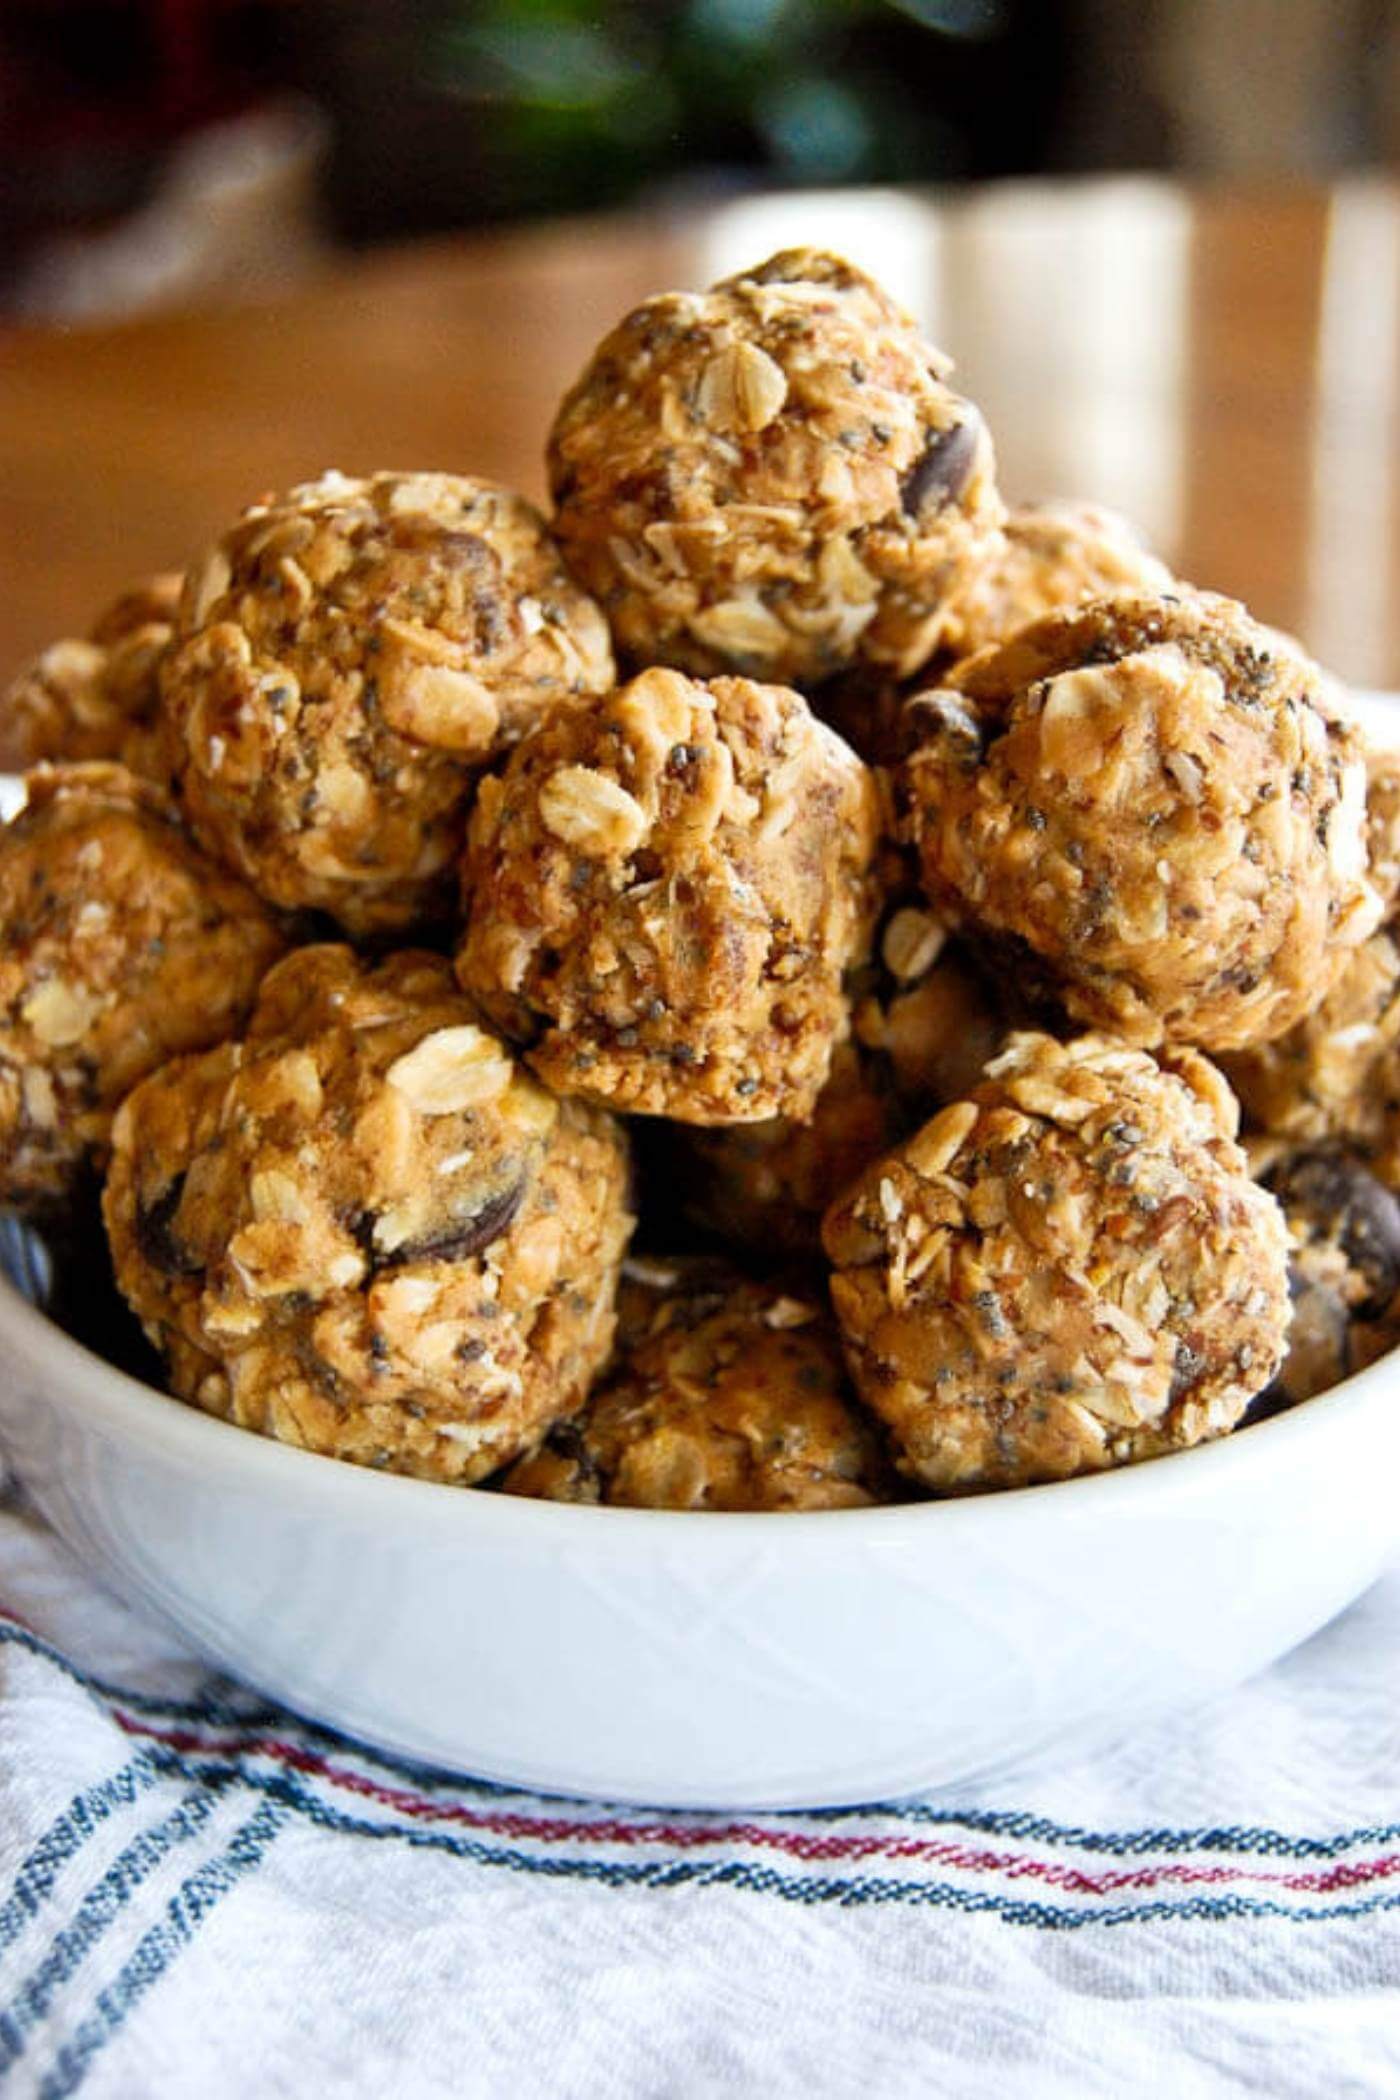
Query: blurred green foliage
{"points": [[569, 104]]}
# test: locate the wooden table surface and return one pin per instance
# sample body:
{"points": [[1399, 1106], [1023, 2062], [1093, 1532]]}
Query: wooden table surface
{"points": [[1224, 367]]}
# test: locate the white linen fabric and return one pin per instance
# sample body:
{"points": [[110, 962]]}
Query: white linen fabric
{"points": [[200, 1894]]}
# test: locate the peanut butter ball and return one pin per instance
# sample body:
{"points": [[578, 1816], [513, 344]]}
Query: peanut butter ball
{"points": [[1383, 824], [365, 1229], [924, 1024], [772, 477], [867, 709], [1069, 1270], [96, 697], [1336, 1073], [120, 946], [1150, 805], [1344, 1268], [765, 1186], [663, 891], [727, 1395], [349, 657], [1051, 555], [927, 1011]]}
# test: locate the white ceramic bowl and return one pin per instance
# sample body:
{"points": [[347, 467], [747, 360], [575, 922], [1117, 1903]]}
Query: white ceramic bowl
{"points": [[713, 1661]]}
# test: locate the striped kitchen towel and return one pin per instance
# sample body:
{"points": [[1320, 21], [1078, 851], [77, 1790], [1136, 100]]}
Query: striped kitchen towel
{"points": [[200, 1895]]}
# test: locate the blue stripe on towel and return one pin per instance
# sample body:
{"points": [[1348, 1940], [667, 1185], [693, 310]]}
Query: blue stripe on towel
{"points": [[66, 1836], [810, 1892], [198, 1896], [99, 1909]]}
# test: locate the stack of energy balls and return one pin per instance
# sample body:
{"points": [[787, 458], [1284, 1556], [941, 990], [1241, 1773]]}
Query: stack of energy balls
{"points": [[784, 845]]}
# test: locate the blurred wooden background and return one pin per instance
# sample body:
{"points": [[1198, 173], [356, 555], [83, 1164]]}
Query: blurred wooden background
{"points": [[1223, 365]]}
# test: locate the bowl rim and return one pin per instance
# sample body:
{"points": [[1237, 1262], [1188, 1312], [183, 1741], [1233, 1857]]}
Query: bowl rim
{"points": [[131, 1412]]}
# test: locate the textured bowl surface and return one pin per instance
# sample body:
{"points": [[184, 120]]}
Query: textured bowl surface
{"points": [[710, 1661]]}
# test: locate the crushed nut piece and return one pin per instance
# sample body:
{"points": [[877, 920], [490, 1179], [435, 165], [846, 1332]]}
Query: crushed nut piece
{"points": [[592, 811], [741, 388], [452, 1069]]}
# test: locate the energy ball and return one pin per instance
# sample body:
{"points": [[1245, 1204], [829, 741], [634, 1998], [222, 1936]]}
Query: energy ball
{"points": [[728, 1395], [1069, 1270], [923, 1030], [868, 710], [96, 697], [349, 657], [765, 1186], [773, 477], [1344, 1271], [1149, 804], [663, 891], [365, 1230], [929, 1013], [1383, 824], [1335, 1074], [1052, 555], [120, 946]]}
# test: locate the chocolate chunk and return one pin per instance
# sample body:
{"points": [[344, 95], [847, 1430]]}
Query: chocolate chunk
{"points": [[1022, 982], [1320, 1345], [942, 470], [1336, 1193], [567, 1441], [1264, 1406], [465, 1236], [155, 1235], [944, 716]]}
